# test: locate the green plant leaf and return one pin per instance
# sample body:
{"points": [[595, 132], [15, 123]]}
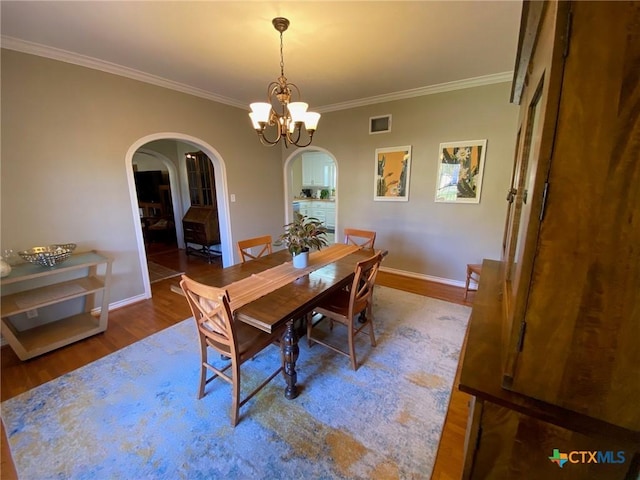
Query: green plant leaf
{"points": [[303, 234]]}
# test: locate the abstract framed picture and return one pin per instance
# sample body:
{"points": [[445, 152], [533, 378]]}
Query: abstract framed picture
{"points": [[392, 171], [460, 170]]}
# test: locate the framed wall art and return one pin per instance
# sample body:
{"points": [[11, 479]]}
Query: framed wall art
{"points": [[392, 171], [460, 170]]}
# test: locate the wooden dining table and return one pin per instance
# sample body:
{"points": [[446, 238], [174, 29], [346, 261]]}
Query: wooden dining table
{"points": [[279, 308]]}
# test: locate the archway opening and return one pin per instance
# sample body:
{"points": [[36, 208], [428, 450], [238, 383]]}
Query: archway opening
{"points": [[311, 180], [170, 149]]}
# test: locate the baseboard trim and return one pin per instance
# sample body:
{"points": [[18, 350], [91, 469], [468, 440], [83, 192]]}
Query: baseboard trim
{"points": [[122, 303], [421, 276], [127, 301]]}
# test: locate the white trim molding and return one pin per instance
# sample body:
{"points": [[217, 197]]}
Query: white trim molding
{"points": [[33, 48], [420, 276], [120, 304], [421, 91], [109, 67]]}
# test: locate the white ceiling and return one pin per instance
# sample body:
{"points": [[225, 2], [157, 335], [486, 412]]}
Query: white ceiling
{"points": [[340, 54]]}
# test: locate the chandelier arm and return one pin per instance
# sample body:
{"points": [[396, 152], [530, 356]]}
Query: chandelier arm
{"points": [[266, 142], [263, 138], [298, 128], [296, 88], [296, 142], [272, 89], [306, 144]]}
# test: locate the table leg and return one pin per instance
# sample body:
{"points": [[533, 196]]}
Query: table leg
{"points": [[290, 353]]}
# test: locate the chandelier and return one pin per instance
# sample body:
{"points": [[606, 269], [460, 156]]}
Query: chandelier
{"points": [[286, 116]]}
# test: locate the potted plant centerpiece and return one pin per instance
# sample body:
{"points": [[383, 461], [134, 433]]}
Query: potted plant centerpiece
{"points": [[301, 235]]}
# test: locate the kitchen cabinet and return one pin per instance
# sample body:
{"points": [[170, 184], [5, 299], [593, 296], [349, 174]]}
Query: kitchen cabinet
{"points": [[318, 170], [323, 210], [330, 174], [303, 207], [330, 215], [29, 287], [553, 333], [317, 210]]}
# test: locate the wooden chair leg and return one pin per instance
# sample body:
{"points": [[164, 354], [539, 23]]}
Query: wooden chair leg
{"points": [[309, 328], [466, 286], [352, 349], [203, 374], [203, 370], [235, 403], [372, 334]]}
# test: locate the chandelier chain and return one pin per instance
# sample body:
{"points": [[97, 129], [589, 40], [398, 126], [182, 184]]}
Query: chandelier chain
{"points": [[281, 57]]}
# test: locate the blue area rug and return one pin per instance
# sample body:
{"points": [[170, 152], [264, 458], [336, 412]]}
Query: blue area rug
{"points": [[134, 414]]}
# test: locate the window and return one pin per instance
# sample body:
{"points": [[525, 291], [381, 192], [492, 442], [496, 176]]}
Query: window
{"points": [[202, 188]]}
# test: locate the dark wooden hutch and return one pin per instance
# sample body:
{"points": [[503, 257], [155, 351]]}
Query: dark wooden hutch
{"points": [[552, 358]]}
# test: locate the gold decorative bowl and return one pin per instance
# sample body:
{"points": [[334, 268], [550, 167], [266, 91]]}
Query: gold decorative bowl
{"points": [[48, 256]]}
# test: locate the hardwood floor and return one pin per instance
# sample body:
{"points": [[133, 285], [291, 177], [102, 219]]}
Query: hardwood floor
{"points": [[165, 309]]}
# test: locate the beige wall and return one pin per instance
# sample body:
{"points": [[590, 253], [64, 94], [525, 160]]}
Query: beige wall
{"points": [[424, 237], [145, 162], [66, 131]]}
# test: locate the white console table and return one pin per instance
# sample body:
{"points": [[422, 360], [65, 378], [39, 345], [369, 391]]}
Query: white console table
{"points": [[31, 287]]}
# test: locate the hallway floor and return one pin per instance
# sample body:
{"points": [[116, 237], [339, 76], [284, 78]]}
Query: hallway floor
{"points": [[168, 255]]}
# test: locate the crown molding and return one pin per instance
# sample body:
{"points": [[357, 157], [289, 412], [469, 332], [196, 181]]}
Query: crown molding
{"points": [[32, 48], [89, 62], [421, 91]]}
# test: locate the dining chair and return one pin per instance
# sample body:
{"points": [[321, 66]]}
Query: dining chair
{"points": [[344, 306], [233, 340], [245, 246], [361, 238], [473, 273]]}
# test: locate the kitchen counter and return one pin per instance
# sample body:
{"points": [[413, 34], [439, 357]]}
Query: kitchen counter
{"points": [[307, 199]]}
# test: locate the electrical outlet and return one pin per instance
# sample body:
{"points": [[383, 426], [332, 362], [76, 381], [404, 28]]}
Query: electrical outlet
{"points": [[32, 313]]}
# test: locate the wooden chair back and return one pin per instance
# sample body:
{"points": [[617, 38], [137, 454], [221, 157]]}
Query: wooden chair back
{"points": [[361, 238], [362, 287], [151, 209], [211, 311], [245, 246], [344, 306], [235, 341]]}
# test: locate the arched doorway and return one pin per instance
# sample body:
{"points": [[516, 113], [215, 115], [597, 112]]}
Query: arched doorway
{"points": [[150, 163], [177, 175], [296, 180]]}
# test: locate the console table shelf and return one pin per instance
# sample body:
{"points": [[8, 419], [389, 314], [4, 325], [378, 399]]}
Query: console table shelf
{"points": [[34, 287], [49, 295]]}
